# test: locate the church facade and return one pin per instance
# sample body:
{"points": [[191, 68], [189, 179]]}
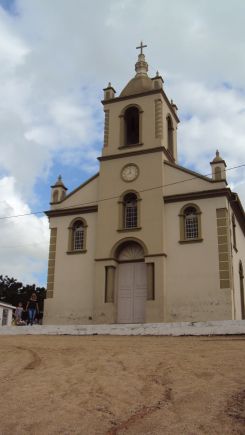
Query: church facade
{"points": [[145, 239]]}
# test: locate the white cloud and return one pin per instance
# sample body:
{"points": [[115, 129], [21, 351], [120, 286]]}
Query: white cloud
{"points": [[12, 49], [215, 119], [24, 241], [75, 121]]}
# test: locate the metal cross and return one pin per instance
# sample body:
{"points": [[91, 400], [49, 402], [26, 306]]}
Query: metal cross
{"points": [[141, 47]]}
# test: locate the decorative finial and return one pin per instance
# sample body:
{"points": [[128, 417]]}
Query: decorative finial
{"points": [[141, 67], [217, 153], [109, 85], [157, 74], [59, 183], [141, 47]]}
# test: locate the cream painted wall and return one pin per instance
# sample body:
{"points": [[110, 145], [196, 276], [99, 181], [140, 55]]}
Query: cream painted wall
{"points": [[236, 257], [74, 276], [186, 182], [193, 289], [82, 196], [151, 204], [150, 231]]}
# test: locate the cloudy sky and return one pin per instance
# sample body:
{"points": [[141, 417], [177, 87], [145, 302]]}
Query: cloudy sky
{"points": [[57, 55]]}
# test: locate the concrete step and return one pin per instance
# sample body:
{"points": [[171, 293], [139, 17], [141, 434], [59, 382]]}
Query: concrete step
{"points": [[226, 327]]}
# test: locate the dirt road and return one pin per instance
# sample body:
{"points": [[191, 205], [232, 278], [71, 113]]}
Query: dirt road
{"points": [[122, 385]]}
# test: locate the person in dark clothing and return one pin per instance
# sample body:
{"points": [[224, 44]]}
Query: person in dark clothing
{"points": [[32, 308]]}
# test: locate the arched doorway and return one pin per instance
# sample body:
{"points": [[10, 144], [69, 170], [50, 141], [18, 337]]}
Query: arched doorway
{"points": [[132, 283]]}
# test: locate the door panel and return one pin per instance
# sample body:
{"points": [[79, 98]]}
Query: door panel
{"points": [[125, 294], [132, 289], [140, 289]]}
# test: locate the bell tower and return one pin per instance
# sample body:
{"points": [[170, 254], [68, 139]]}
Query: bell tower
{"points": [[139, 135], [142, 117], [58, 192]]}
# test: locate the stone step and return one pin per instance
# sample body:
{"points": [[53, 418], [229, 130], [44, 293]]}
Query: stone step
{"points": [[226, 327]]}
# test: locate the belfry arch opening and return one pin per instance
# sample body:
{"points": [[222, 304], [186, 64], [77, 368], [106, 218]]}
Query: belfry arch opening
{"points": [[170, 131], [131, 122]]}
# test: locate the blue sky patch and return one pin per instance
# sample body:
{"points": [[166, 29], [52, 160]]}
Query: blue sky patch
{"points": [[227, 85], [9, 6]]}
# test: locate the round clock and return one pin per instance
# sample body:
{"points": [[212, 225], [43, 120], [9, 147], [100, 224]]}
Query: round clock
{"points": [[130, 172]]}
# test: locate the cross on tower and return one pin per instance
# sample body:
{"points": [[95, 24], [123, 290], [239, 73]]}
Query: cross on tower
{"points": [[141, 47]]}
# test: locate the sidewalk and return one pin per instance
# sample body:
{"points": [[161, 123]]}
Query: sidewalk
{"points": [[226, 327]]}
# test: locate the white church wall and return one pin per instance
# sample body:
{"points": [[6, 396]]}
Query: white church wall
{"points": [[150, 204], [237, 256], [186, 182], [84, 195], [72, 301], [155, 309], [192, 281]]}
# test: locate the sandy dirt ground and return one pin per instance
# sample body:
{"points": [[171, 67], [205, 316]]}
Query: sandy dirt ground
{"points": [[122, 385]]}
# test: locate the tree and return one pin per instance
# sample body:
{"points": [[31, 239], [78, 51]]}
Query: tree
{"points": [[9, 288], [12, 292]]}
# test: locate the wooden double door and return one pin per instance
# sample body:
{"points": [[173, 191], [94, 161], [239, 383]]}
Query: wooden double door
{"points": [[132, 291]]}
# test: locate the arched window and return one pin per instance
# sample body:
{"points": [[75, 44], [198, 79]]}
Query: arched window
{"points": [[131, 119], [170, 135], [77, 236], [241, 277], [190, 223], [55, 195], [130, 210]]}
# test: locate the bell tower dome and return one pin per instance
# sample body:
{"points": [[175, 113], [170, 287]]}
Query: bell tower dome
{"points": [[141, 82]]}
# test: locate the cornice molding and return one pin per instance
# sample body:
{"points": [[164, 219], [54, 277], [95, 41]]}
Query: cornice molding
{"points": [[202, 194], [133, 153], [80, 186], [71, 211], [161, 254], [232, 197], [189, 171], [143, 94]]}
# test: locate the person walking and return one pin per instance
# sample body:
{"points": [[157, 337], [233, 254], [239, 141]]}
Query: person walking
{"points": [[18, 314], [32, 308]]}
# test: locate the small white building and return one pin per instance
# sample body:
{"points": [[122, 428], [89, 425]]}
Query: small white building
{"points": [[6, 313]]}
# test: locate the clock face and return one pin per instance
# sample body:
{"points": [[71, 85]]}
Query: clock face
{"points": [[130, 172]]}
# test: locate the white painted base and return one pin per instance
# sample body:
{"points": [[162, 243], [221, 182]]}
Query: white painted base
{"points": [[226, 327]]}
